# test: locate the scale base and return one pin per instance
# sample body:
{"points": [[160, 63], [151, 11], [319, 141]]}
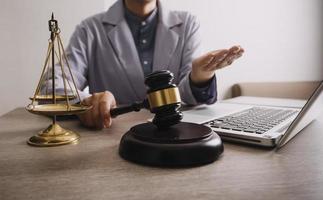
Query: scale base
{"points": [[54, 135], [182, 145]]}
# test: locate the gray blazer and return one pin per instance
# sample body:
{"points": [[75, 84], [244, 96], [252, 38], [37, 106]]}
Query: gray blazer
{"points": [[103, 55]]}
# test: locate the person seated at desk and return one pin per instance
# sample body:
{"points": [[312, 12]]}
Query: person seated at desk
{"points": [[112, 52]]}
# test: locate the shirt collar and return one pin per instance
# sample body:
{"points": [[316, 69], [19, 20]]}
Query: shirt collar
{"points": [[138, 20]]}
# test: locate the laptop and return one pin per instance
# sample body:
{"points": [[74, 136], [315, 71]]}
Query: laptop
{"points": [[268, 122]]}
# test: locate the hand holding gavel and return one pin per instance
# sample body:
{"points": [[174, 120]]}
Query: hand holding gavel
{"points": [[98, 116], [163, 100]]}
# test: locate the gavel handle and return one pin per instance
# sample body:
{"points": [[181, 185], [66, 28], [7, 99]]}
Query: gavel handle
{"points": [[125, 109]]}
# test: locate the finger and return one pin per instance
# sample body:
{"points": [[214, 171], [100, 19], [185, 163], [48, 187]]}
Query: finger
{"points": [[234, 57], [89, 120], [220, 66], [86, 119], [241, 51], [218, 53], [205, 60], [237, 54], [108, 102], [96, 112], [233, 53], [105, 113], [234, 49], [225, 62], [218, 58], [87, 101], [230, 60], [113, 105]]}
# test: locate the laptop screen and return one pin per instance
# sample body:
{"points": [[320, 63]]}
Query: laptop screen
{"points": [[309, 112]]}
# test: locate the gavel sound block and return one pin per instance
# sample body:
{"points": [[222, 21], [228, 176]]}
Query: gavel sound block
{"points": [[166, 141]]}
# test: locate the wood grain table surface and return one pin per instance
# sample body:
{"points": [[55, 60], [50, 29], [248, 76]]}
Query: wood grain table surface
{"points": [[92, 169]]}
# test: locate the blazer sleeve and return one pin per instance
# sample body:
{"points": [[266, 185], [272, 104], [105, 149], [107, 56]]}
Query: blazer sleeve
{"points": [[76, 53], [191, 50]]}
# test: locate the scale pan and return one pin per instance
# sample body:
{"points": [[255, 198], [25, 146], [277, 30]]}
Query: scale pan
{"points": [[57, 109], [50, 97]]}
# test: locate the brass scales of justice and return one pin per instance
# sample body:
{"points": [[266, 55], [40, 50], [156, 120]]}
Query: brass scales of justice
{"points": [[45, 100]]}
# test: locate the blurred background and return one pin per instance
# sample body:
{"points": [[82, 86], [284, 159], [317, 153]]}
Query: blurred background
{"points": [[283, 39]]}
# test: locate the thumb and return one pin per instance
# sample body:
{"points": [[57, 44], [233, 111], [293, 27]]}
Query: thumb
{"points": [[106, 104]]}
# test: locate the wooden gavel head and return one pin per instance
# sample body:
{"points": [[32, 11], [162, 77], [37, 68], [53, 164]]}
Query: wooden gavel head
{"points": [[164, 99]]}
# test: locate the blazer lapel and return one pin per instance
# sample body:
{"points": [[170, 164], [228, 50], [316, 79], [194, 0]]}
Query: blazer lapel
{"points": [[121, 40], [166, 38], [166, 42]]}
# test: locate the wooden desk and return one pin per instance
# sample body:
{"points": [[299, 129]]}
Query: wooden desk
{"points": [[93, 169]]}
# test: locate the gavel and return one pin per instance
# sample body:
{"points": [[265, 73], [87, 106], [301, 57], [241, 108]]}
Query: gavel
{"points": [[163, 99]]}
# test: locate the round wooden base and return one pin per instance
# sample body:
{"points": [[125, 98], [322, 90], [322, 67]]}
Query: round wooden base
{"points": [[184, 144]]}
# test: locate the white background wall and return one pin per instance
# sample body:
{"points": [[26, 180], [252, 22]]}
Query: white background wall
{"points": [[283, 39], [23, 42]]}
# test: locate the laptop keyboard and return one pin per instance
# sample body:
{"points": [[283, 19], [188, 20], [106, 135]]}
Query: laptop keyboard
{"points": [[254, 120]]}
